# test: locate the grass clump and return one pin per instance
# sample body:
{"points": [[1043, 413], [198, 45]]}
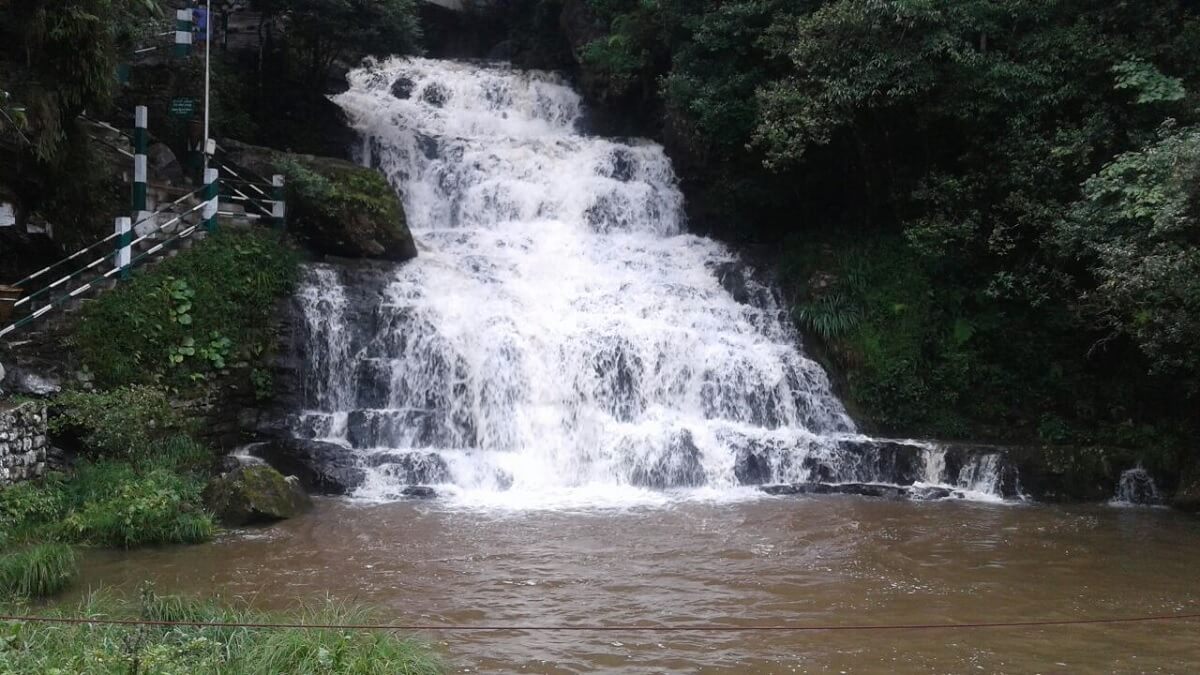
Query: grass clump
{"points": [[95, 648], [38, 571]]}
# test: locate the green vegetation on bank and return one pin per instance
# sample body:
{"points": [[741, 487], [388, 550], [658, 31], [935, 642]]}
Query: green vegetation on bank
{"points": [[114, 502], [191, 316], [1005, 193], [171, 332], [104, 649]]}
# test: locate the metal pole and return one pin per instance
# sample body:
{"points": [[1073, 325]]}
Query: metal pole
{"points": [[210, 205], [183, 32], [207, 76], [278, 214], [141, 143]]}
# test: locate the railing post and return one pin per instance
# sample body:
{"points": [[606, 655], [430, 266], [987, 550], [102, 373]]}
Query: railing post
{"points": [[141, 142], [124, 246], [211, 199], [183, 33], [278, 209]]}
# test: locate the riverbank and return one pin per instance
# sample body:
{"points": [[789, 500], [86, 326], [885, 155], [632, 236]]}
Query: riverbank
{"points": [[99, 647]]}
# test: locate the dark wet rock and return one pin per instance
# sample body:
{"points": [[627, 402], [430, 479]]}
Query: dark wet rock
{"points": [[623, 166], [502, 51], [418, 492], [679, 466], [255, 494], [323, 468], [416, 468], [228, 464], [933, 493], [887, 461], [402, 88], [435, 95], [732, 276], [857, 489], [751, 467]]}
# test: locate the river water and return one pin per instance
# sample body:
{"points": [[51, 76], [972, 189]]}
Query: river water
{"points": [[798, 561]]}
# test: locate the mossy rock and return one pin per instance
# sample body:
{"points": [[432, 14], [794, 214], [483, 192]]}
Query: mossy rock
{"points": [[255, 494], [335, 207]]}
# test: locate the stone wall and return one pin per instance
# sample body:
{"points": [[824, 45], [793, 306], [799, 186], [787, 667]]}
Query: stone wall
{"points": [[23, 442]]}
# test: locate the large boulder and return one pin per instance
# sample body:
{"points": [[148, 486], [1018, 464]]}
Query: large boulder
{"points": [[335, 207], [323, 468], [255, 494]]}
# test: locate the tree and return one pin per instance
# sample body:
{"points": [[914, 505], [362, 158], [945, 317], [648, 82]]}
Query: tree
{"points": [[322, 32], [1137, 231], [59, 58]]}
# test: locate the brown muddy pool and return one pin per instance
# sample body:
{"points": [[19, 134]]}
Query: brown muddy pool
{"points": [[809, 561]]}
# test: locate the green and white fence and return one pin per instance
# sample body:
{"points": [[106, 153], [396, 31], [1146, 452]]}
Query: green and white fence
{"points": [[116, 255]]}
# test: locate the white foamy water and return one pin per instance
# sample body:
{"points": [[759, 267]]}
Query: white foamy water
{"points": [[560, 340]]}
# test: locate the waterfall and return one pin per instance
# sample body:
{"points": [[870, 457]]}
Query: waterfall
{"points": [[1136, 488], [560, 336]]}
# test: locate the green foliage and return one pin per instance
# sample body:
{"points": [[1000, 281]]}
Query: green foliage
{"points": [[1137, 229], [1150, 85], [320, 32], [333, 192], [118, 650], [68, 50], [158, 507], [152, 499], [38, 571], [189, 317], [831, 316], [122, 421]]}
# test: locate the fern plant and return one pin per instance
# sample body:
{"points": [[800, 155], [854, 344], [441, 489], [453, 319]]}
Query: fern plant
{"points": [[830, 317]]}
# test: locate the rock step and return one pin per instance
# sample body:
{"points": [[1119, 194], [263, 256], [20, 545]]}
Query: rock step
{"points": [[876, 490]]}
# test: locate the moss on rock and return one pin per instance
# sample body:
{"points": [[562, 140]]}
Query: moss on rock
{"points": [[336, 207], [255, 494]]}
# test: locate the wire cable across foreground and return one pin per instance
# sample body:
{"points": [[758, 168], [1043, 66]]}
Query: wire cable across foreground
{"points": [[600, 628]]}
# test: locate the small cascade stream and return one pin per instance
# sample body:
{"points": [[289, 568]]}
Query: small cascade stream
{"points": [[561, 339]]}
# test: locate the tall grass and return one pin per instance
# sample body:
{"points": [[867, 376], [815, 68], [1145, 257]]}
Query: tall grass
{"points": [[37, 571], [94, 648]]}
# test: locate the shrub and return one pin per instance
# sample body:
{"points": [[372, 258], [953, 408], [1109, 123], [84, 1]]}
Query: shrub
{"points": [[27, 506], [190, 316], [121, 421], [38, 571]]}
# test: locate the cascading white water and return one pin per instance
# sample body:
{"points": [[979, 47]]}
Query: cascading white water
{"points": [[1136, 488], [559, 339]]}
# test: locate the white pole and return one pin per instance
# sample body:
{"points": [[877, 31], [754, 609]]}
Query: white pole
{"points": [[207, 74]]}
